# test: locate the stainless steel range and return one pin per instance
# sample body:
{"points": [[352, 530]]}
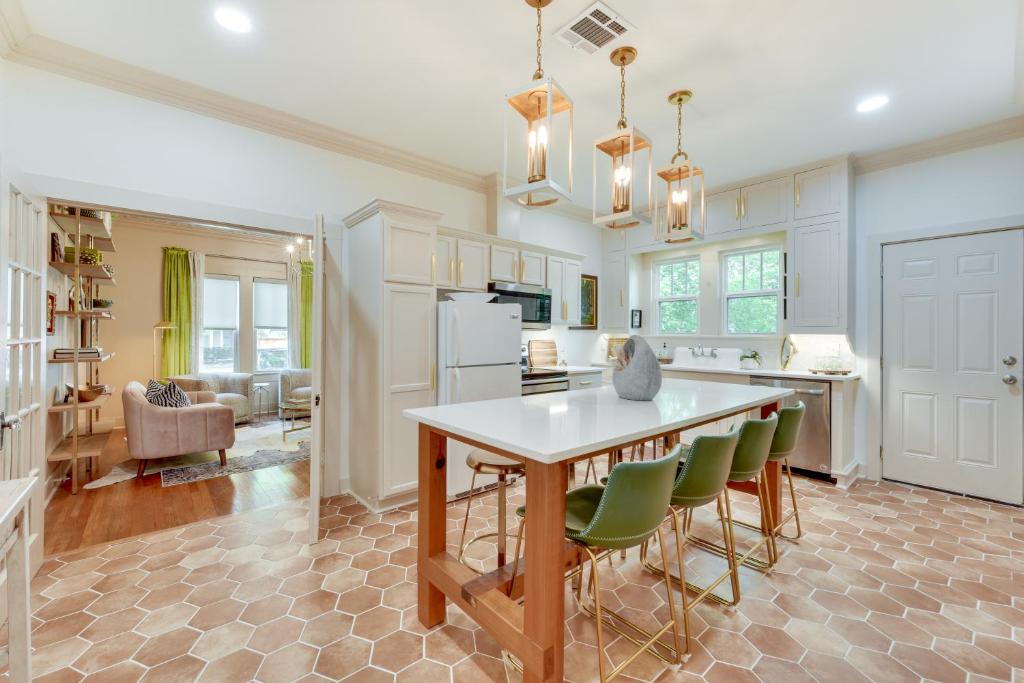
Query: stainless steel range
{"points": [[544, 380]]}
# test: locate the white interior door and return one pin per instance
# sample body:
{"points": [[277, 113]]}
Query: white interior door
{"points": [[23, 253], [316, 456], [952, 353]]}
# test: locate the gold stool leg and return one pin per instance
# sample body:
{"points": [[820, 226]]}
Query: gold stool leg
{"points": [[668, 596], [465, 521], [501, 520], [795, 514]]}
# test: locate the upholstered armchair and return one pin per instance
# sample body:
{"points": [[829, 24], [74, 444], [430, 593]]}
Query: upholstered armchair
{"points": [[296, 384], [233, 389], [155, 432]]}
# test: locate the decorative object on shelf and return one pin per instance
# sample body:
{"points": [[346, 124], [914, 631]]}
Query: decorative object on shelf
{"points": [[637, 374], [56, 250], [51, 313], [546, 156], [588, 303], [102, 303], [86, 393], [787, 352], [86, 255], [750, 359], [636, 318], [680, 211], [158, 331], [613, 346], [622, 162]]}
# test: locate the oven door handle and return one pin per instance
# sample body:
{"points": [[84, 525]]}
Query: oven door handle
{"points": [[545, 380]]}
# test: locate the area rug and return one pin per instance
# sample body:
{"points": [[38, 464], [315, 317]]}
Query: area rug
{"points": [[173, 476]]}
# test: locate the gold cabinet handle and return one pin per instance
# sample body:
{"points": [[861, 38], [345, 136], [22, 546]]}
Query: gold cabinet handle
{"points": [[451, 269], [586, 382], [462, 271], [433, 267], [621, 298], [433, 375], [522, 267], [798, 284], [797, 189], [743, 206], [737, 208]]}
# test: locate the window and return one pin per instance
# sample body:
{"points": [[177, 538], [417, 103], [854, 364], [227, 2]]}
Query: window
{"points": [[753, 284], [220, 323], [270, 323], [677, 285]]}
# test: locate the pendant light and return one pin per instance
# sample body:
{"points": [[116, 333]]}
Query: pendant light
{"points": [[537, 166], [622, 165], [680, 214]]}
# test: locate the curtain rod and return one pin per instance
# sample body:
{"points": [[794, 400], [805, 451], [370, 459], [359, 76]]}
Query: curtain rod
{"points": [[244, 258]]}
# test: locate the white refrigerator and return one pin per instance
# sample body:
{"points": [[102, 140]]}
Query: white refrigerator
{"points": [[478, 354]]}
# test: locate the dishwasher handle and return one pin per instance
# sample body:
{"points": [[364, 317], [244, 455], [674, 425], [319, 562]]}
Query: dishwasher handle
{"points": [[810, 392]]}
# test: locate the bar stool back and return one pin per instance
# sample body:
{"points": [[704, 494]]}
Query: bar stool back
{"points": [[783, 444]]}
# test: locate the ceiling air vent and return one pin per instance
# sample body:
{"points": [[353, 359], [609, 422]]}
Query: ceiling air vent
{"points": [[596, 27]]}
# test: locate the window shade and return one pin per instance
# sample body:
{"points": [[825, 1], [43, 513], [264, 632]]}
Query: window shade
{"points": [[220, 303], [269, 304]]}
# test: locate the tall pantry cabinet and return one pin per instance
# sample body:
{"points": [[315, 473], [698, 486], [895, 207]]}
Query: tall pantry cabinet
{"points": [[392, 314]]}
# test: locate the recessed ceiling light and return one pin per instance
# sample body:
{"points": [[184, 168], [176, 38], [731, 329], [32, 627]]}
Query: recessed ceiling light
{"points": [[872, 103], [233, 20]]}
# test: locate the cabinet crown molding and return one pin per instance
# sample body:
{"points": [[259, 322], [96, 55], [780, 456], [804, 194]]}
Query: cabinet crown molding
{"points": [[391, 208], [492, 240]]}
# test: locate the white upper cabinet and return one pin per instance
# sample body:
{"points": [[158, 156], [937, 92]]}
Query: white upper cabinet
{"points": [[471, 265], [723, 212], [765, 203], [817, 192], [613, 240], [532, 267], [564, 283], [504, 263], [444, 264], [409, 252], [614, 299], [815, 279]]}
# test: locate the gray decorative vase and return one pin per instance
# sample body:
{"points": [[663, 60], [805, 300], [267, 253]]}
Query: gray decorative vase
{"points": [[637, 375]]}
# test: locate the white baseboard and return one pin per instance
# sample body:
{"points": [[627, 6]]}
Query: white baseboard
{"points": [[387, 504], [849, 476]]}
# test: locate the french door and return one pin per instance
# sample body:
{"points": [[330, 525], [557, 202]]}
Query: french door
{"points": [[952, 355], [23, 255], [316, 459]]}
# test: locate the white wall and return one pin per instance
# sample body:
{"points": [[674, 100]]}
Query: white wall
{"points": [[973, 185]]}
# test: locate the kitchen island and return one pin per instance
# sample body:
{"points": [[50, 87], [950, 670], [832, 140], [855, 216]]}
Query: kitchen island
{"points": [[547, 432]]}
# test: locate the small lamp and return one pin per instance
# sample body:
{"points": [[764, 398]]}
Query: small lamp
{"points": [[158, 331]]}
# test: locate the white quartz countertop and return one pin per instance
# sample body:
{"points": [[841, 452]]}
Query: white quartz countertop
{"points": [[577, 369], [553, 427], [761, 372]]}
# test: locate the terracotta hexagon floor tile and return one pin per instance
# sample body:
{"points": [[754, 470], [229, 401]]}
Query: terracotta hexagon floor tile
{"points": [[359, 600], [972, 659], [109, 652], [878, 666], [449, 644], [774, 642], [266, 609], [223, 640], [276, 634], [287, 664], [809, 634], [927, 663], [479, 668], [801, 608], [828, 668], [124, 672], [184, 668], [209, 593], [216, 614], [113, 624], [369, 559], [424, 670], [377, 623], [237, 667], [1009, 651], [313, 604], [729, 647], [720, 672], [166, 619], [371, 674], [397, 651], [166, 646], [938, 625], [70, 604], [58, 655], [63, 627], [860, 633], [777, 670]]}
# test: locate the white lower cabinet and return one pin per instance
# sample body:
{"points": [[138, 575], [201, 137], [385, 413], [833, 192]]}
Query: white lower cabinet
{"points": [[563, 280], [815, 300], [589, 380]]}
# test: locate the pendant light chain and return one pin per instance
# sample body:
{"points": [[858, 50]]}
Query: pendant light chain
{"points": [[539, 73], [622, 95]]}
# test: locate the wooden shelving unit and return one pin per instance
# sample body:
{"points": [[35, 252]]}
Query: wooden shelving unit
{"points": [[94, 232]]}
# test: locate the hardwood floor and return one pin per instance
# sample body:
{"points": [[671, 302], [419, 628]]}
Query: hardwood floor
{"points": [[138, 506]]}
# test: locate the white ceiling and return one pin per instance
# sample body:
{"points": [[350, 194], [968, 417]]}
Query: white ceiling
{"points": [[776, 81]]}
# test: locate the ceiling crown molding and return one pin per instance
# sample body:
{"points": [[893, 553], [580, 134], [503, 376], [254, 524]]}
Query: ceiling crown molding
{"points": [[989, 134], [14, 29], [60, 58]]}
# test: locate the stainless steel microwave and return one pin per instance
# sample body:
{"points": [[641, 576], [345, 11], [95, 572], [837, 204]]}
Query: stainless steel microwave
{"points": [[535, 302]]}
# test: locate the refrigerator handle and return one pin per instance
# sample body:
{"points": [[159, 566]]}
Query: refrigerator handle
{"points": [[453, 338], [456, 393]]}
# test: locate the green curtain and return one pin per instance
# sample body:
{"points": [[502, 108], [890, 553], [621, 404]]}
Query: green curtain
{"points": [[306, 315], [177, 345]]}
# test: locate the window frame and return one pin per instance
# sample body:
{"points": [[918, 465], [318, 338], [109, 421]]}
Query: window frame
{"points": [[255, 336], [727, 296], [236, 360], [658, 299]]}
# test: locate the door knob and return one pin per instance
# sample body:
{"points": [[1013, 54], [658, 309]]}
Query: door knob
{"points": [[12, 423], [1009, 379], [1009, 361]]}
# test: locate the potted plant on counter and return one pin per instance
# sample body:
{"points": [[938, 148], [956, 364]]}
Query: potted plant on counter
{"points": [[750, 359]]}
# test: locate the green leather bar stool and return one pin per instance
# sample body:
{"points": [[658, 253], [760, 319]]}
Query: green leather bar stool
{"points": [[485, 462], [701, 480], [624, 514], [783, 444], [752, 450]]}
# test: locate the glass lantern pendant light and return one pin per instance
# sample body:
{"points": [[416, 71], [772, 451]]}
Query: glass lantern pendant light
{"points": [[622, 164], [537, 167], [680, 215]]}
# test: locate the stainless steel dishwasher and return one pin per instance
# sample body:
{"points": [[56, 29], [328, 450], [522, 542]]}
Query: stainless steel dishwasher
{"points": [[813, 453]]}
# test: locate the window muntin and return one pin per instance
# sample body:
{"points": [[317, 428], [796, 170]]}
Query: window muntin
{"points": [[752, 282]]}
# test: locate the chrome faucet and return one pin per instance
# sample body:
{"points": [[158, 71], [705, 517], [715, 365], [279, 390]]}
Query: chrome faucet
{"points": [[700, 352]]}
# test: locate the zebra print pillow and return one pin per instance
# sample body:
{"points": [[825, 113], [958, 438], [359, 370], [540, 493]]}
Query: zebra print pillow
{"points": [[167, 395]]}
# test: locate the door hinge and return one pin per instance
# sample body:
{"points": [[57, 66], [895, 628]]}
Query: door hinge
{"points": [[318, 400], [881, 453]]}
